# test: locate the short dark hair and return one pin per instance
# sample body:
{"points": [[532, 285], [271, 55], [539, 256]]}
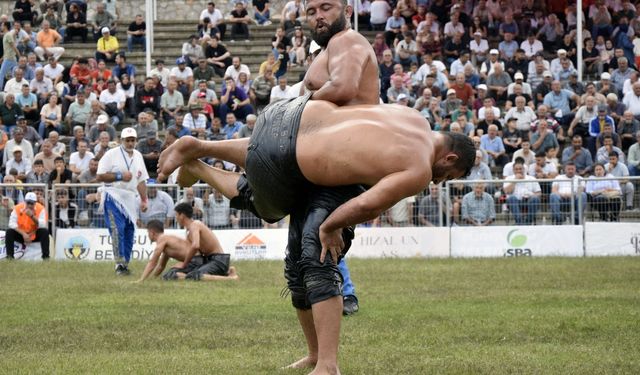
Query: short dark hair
{"points": [[59, 158], [541, 154], [569, 163], [613, 153], [185, 209], [518, 160], [463, 146], [156, 225], [38, 162]]}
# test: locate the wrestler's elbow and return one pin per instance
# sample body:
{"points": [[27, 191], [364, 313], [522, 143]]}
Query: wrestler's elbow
{"points": [[339, 94]]}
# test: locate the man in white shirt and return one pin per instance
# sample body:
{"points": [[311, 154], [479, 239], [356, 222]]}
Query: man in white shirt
{"points": [[565, 187], [380, 11], [112, 101], [282, 91], [215, 16], [522, 195], [479, 48], [523, 114], [531, 46], [14, 85], [18, 141], [123, 168], [183, 75], [632, 99], [236, 68], [79, 160], [161, 71], [53, 70], [20, 164]]}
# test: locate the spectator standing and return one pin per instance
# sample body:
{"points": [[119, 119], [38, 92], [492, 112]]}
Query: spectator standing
{"points": [[102, 19], [159, 207], [28, 223], [218, 212], [124, 167], [10, 50]]}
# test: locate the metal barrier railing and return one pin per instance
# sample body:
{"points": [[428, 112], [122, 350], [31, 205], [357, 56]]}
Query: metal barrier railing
{"points": [[544, 201]]}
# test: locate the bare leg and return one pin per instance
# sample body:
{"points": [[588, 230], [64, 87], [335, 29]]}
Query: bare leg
{"points": [[224, 181], [305, 317], [326, 317], [188, 148], [232, 275]]}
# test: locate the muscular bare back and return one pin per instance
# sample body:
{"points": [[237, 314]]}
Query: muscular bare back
{"points": [[208, 242], [363, 144], [348, 63], [174, 247]]}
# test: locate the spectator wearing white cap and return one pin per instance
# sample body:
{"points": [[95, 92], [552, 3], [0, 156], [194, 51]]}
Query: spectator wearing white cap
{"points": [[556, 64], [479, 48], [107, 46], [518, 79], [18, 141], [487, 67], [19, 163], [543, 88], [101, 125], [605, 86], [123, 167], [27, 224]]}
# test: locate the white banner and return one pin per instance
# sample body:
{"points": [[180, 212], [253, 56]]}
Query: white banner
{"points": [[606, 239], [512, 241], [95, 244], [20, 251], [400, 242]]}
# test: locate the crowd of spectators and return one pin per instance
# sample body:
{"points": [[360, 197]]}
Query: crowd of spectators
{"points": [[504, 73]]}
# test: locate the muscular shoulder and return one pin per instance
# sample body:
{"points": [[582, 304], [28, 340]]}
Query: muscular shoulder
{"points": [[348, 40]]}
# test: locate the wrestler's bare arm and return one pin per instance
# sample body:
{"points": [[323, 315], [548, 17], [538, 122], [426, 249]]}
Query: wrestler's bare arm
{"points": [[348, 57], [153, 261], [368, 206]]}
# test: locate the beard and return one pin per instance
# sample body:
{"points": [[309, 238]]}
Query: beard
{"points": [[323, 37]]}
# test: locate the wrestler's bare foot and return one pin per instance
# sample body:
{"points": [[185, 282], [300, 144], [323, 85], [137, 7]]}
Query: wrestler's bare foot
{"points": [[233, 274], [183, 150], [185, 177], [325, 370], [306, 362]]}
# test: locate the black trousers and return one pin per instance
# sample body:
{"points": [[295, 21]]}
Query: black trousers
{"points": [[12, 236]]}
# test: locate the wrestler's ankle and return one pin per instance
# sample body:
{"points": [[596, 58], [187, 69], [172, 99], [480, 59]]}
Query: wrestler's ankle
{"points": [[326, 368]]}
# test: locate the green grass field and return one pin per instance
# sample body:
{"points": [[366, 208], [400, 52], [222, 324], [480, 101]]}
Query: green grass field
{"points": [[495, 316]]}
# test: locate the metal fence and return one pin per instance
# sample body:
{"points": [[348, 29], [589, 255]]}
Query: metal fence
{"points": [[457, 203]]}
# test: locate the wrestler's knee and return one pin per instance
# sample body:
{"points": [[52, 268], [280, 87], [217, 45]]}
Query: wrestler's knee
{"points": [[321, 280], [172, 274], [295, 283]]}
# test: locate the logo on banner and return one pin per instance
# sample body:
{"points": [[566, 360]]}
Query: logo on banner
{"points": [[18, 249], [635, 242], [76, 248], [517, 244], [251, 247]]}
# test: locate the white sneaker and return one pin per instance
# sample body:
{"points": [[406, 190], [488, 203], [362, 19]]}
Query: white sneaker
{"points": [[267, 23]]}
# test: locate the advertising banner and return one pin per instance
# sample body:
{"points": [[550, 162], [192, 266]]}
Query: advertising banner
{"points": [[31, 252], [512, 241], [95, 244], [606, 239]]}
